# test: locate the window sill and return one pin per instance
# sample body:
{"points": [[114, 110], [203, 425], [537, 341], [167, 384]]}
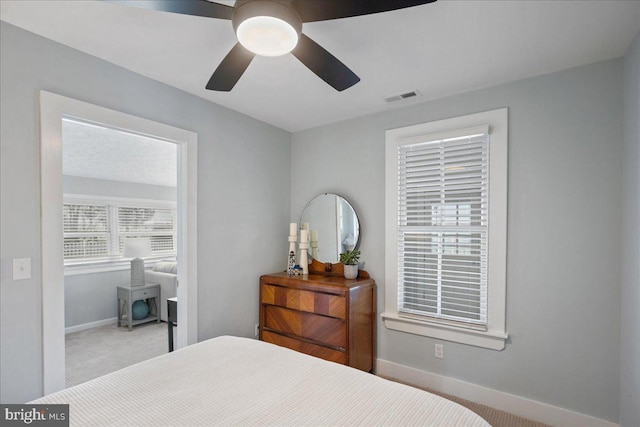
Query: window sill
{"points": [[493, 340]]}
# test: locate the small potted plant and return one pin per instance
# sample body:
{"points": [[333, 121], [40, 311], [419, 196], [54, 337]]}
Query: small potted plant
{"points": [[350, 260]]}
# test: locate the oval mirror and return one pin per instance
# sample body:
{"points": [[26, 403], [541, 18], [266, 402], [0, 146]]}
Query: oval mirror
{"points": [[333, 227]]}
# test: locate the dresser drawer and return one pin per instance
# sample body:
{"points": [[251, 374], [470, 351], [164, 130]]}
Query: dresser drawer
{"points": [[308, 301], [323, 329], [143, 294], [305, 347]]}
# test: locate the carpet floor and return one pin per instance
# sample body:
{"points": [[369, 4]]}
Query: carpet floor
{"points": [[95, 352], [495, 417], [98, 351]]}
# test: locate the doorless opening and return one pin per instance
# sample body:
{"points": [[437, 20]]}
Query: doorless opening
{"points": [[53, 109]]}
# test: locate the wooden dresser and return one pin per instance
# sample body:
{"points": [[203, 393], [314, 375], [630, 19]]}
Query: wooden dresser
{"points": [[321, 314]]}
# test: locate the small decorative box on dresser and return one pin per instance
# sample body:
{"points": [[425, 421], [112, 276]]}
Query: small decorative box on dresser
{"points": [[321, 314]]}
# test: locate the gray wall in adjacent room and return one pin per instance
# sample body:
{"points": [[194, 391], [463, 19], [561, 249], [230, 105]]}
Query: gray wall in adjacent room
{"points": [[630, 310], [92, 297], [243, 193], [564, 211]]}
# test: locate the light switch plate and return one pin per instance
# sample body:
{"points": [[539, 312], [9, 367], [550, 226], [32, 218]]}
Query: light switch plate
{"points": [[21, 268]]}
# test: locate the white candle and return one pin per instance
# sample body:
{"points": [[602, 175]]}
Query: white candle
{"points": [[293, 229], [304, 235], [314, 235], [305, 226]]}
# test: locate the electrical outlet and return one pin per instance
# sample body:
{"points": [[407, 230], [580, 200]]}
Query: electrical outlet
{"points": [[439, 351], [257, 330]]}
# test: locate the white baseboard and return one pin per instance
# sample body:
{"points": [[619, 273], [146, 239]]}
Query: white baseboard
{"points": [[521, 406], [89, 325]]}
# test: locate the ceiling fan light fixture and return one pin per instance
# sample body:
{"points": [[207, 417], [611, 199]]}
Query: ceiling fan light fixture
{"points": [[267, 35], [266, 27]]}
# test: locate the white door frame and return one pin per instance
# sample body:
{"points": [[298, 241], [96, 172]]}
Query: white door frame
{"points": [[53, 108]]}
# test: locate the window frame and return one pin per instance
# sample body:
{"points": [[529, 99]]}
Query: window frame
{"points": [[114, 262], [495, 336]]}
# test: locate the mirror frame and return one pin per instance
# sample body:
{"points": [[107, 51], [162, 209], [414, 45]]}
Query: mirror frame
{"points": [[355, 213]]}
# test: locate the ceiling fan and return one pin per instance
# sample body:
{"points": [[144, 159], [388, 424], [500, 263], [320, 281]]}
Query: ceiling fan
{"points": [[273, 28]]}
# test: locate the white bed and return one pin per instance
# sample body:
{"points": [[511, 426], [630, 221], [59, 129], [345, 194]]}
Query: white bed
{"points": [[240, 381]]}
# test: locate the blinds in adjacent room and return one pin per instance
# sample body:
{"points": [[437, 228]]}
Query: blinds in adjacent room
{"points": [[86, 231], [443, 227], [153, 223], [94, 232]]}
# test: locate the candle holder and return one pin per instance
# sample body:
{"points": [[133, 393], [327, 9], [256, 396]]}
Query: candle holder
{"points": [[314, 247], [304, 247]]}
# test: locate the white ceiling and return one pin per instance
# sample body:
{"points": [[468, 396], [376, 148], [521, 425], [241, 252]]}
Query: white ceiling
{"points": [[440, 49]]}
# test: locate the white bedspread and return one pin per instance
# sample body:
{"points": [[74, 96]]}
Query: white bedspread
{"points": [[239, 381]]}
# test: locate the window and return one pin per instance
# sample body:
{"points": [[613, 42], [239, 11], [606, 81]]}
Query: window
{"points": [[86, 231], [95, 230], [156, 224], [446, 229]]}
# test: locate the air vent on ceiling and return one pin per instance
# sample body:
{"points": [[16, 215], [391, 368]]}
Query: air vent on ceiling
{"points": [[400, 97]]}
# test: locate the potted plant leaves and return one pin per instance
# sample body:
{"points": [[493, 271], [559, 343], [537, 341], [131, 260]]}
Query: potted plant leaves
{"points": [[350, 260]]}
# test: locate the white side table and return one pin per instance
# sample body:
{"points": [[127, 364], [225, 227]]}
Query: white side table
{"points": [[127, 295]]}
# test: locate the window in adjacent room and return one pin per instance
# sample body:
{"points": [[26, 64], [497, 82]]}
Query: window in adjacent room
{"points": [[446, 229], [86, 231], [95, 230]]}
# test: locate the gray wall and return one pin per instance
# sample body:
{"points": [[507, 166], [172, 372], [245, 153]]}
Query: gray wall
{"points": [[90, 297], [241, 210], [630, 310], [564, 211]]}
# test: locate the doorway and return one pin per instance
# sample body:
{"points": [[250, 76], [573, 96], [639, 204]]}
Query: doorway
{"points": [[53, 109], [119, 197]]}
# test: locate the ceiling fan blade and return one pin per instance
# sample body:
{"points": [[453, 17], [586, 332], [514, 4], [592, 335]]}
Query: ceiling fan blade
{"points": [[231, 68], [186, 7], [325, 65], [322, 10]]}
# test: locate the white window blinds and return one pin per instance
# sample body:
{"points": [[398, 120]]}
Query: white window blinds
{"points": [[152, 223], [98, 231], [443, 227], [86, 231]]}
